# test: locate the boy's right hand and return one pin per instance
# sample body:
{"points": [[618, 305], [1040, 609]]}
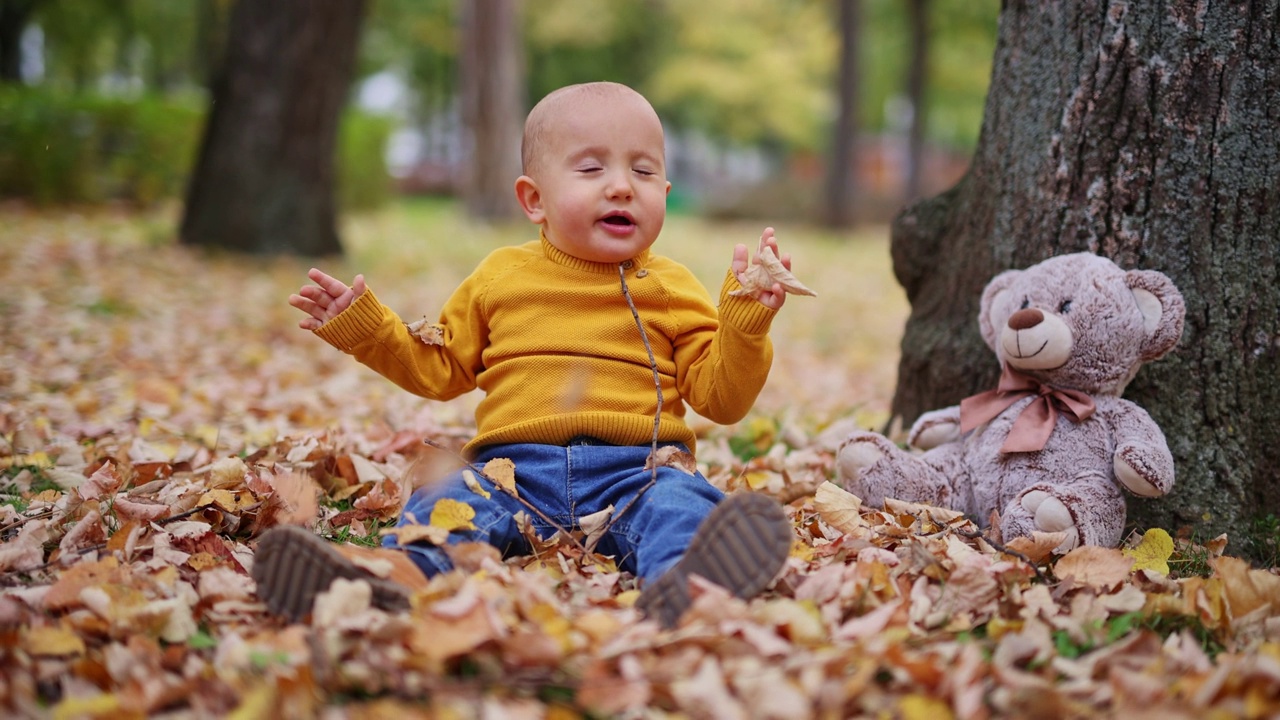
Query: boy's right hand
{"points": [[323, 301]]}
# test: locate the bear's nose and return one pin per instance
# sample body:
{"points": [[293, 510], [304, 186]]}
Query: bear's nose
{"points": [[1023, 319]]}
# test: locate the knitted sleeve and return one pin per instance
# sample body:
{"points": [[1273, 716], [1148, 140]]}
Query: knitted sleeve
{"points": [[378, 338], [722, 358]]}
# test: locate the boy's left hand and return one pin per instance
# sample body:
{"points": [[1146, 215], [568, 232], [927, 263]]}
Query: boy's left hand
{"points": [[771, 297]]}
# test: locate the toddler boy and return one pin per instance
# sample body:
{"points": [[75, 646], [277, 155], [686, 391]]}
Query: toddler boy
{"points": [[546, 329]]}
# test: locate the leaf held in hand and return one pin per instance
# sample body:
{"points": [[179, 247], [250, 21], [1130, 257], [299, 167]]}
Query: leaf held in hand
{"points": [[767, 272]]}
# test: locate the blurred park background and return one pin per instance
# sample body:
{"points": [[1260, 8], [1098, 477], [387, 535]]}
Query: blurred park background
{"points": [[820, 117], [105, 101]]}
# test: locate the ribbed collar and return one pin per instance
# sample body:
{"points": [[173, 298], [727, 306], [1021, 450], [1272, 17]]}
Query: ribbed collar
{"points": [[560, 257]]}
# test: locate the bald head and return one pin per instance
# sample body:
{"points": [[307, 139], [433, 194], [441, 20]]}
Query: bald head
{"points": [[562, 103]]}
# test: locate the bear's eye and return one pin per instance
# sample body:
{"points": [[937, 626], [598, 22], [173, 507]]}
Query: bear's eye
{"points": [[1065, 307], [1025, 304]]}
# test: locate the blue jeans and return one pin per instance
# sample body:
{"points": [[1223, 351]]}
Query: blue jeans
{"points": [[567, 482]]}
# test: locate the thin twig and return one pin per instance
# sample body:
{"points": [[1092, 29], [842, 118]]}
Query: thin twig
{"points": [[1000, 547], [507, 491], [657, 415], [26, 519]]}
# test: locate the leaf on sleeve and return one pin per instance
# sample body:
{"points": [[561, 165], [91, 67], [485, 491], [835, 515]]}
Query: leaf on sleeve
{"points": [[429, 333]]}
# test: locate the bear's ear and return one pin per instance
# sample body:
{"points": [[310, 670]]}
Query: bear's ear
{"points": [[1163, 311], [991, 296]]}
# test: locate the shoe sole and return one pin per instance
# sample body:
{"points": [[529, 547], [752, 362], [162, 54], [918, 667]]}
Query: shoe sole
{"points": [[741, 546], [292, 565]]}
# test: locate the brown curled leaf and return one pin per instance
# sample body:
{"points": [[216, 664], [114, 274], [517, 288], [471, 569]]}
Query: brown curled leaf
{"points": [[767, 272], [429, 333]]}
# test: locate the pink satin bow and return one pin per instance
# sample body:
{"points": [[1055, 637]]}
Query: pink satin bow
{"points": [[1034, 425]]}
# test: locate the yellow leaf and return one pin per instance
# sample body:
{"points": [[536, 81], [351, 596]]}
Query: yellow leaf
{"points": [[758, 479], [1153, 552], [48, 641], [503, 472], [920, 707], [92, 706], [473, 484], [452, 515], [257, 703]]}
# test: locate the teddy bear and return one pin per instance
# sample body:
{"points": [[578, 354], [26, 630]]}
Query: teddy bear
{"points": [[1052, 445]]}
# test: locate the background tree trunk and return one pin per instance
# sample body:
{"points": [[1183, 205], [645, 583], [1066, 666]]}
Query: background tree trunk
{"points": [[264, 179], [917, 73], [842, 170], [14, 15], [1147, 133], [492, 88]]}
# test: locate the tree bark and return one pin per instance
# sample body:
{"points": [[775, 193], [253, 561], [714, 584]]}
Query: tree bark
{"points": [[1147, 133], [842, 171], [264, 179], [14, 15], [491, 69]]}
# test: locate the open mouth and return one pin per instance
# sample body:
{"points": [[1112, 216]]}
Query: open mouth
{"points": [[617, 220]]}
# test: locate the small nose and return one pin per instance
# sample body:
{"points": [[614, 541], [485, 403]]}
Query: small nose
{"points": [[1024, 319], [619, 185]]}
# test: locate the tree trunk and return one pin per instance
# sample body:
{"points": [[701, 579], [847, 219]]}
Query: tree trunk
{"points": [[917, 72], [1147, 133], [491, 71], [842, 173], [264, 179], [14, 15]]}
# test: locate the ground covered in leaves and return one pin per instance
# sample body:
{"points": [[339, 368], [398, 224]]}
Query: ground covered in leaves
{"points": [[159, 410]]}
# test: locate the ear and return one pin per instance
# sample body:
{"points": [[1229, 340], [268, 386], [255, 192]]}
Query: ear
{"points": [[1163, 311], [991, 295], [530, 199]]}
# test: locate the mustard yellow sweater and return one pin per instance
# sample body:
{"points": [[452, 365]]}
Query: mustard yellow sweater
{"points": [[550, 340]]}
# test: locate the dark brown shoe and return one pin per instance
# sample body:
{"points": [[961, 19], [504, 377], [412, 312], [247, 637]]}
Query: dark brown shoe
{"points": [[740, 546], [292, 565]]}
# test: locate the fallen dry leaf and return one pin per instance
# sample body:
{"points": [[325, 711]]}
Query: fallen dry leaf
{"points": [[672, 457], [766, 273], [1153, 552], [429, 333]]}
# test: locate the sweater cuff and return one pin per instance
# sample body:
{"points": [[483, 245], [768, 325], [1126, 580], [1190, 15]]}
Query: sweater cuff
{"points": [[355, 324], [743, 311]]}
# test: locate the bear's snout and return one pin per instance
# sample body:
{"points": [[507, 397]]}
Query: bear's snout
{"points": [[1035, 340], [1025, 318]]}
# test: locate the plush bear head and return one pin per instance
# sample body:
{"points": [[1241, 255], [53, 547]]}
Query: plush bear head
{"points": [[1080, 322]]}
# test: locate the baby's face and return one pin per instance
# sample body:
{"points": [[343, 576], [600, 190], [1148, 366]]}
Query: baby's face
{"points": [[602, 178]]}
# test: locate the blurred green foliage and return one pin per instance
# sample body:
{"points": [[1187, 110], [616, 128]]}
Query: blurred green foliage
{"points": [[63, 147], [120, 76], [363, 183], [746, 71]]}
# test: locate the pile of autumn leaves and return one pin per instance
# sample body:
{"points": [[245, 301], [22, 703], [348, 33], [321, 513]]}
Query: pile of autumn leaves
{"points": [[145, 606], [155, 419]]}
